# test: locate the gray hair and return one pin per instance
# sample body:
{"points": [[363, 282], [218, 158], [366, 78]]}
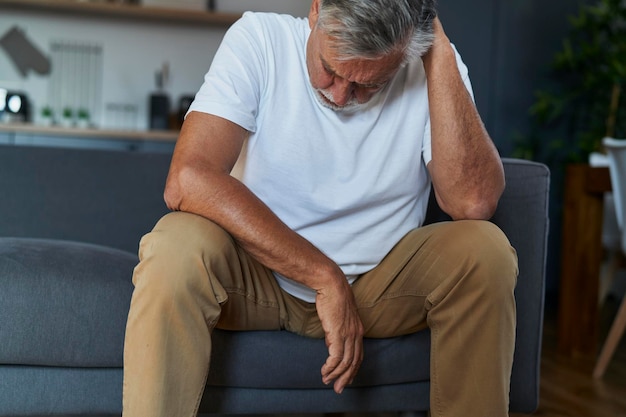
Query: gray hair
{"points": [[373, 28]]}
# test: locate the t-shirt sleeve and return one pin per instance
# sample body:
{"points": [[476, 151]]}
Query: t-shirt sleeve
{"points": [[426, 147], [232, 86]]}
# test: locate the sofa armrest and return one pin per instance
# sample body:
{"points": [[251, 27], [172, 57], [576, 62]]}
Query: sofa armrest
{"points": [[523, 216]]}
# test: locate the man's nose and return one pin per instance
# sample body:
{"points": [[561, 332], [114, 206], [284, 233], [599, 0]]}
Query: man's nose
{"points": [[342, 91]]}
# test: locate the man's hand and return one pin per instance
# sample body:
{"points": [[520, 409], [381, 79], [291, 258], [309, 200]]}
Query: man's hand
{"points": [[343, 330]]}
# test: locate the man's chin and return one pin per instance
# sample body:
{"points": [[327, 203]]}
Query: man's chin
{"points": [[351, 106]]}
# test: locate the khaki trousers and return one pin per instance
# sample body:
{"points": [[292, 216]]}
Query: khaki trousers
{"points": [[456, 278]]}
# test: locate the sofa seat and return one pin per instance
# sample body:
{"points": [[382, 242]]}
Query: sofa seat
{"points": [[295, 361], [68, 303]]}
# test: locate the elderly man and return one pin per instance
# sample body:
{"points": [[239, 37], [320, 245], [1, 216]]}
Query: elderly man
{"points": [[298, 189]]}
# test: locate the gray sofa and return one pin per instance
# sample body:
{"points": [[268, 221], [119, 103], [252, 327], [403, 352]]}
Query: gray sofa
{"points": [[70, 223]]}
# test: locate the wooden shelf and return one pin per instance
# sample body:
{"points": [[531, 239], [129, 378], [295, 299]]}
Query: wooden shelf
{"points": [[120, 10], [68, 132]]}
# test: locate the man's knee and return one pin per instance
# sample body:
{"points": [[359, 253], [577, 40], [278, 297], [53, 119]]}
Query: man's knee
{"points": [[482, 251], [186, 234], [175, 254], [493, 255]]}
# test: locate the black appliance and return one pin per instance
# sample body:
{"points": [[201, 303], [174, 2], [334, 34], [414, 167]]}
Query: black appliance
{"points": [[14, 106]]}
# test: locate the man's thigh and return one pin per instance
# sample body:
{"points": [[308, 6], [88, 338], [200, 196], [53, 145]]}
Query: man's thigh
{"points": [[395, 297], [248, 295]]}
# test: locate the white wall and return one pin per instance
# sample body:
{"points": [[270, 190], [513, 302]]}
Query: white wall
{"points": [[133, 51]]}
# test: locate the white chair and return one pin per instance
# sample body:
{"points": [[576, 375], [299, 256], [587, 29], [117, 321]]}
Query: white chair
{"points": [[611, 235], [616, 150], [612, 244]]}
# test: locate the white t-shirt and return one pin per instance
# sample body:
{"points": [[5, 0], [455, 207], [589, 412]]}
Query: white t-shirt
{"points": [[353, 184]]}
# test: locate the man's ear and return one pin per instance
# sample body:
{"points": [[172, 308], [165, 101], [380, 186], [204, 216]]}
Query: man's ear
{"points": [[314, 13]]}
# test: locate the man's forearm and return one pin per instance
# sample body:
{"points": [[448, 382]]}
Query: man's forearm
{"points": [[270, 241], [466, 168], [229, 203]]}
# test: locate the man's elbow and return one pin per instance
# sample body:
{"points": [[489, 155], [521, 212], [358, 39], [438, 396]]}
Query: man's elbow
{"points": [[173, 193], [188, 188], [479, 210], [483, 202], [480, 206]]}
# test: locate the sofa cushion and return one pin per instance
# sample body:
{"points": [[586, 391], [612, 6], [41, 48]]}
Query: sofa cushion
{"points": [[270, 359], [63, 303]]}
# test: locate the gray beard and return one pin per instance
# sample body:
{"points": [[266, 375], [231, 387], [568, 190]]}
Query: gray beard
{"points": [[326, 100]]}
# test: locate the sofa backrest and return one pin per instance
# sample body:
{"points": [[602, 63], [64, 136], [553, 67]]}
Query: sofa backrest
{"points": [[109, 198]]}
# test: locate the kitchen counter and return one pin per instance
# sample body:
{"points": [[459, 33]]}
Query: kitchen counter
{"points": [[27, 128], [30, 134]]}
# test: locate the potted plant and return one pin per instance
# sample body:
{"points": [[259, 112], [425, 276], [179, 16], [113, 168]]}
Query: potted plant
{"points": [[67, 119], [47, 116], [587, 100], [83, 118]]}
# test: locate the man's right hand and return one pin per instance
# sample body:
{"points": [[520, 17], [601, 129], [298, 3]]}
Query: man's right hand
{"points": [[343, 331]]}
